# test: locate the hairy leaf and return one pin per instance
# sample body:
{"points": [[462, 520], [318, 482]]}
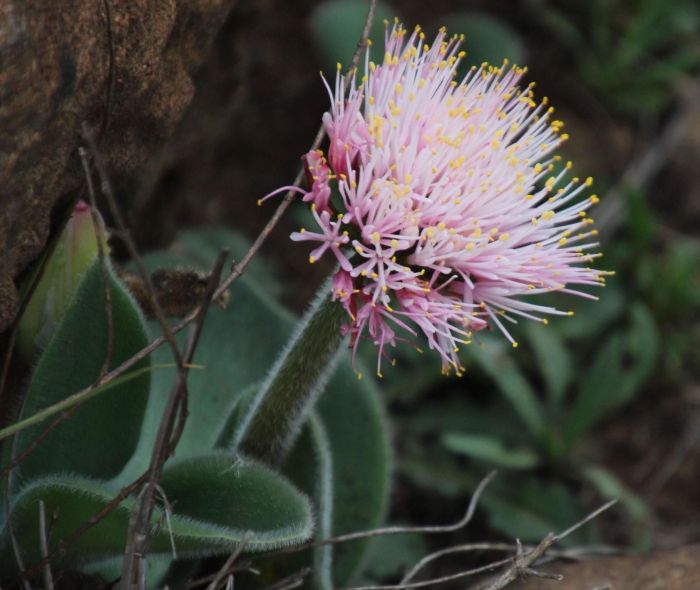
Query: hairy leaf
{"points": [[102, 434], [215, 502]]}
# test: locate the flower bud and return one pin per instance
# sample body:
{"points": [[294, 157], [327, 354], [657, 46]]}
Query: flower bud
{"points": [[75, 251]]}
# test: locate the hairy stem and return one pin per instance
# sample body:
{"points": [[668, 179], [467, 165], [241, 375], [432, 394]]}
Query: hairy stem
{"points": [[273, 418]]}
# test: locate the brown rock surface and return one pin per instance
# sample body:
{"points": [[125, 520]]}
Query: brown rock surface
{"points": [[666, 570], [125, 67]]}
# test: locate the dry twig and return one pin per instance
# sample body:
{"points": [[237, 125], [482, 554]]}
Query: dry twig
{"points": [[225, 569], [44, 546], [101, 255], [397, 530], [523, 561]]}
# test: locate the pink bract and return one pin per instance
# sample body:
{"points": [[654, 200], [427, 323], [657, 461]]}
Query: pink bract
{"points": [[447, 215]]}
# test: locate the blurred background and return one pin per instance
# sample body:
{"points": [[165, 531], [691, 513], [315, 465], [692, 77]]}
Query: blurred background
{"points": [[605, 404]]}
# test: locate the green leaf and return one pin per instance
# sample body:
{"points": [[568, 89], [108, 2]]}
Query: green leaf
{"points": [[530, 509], [353, 443], [490, 450], [591, 320], [499, 365], [337, 26], [99, 438], [617, 372], [310, 466], [73, 400], [611, 488], [487, 38], [392, 555], [553, 360], [599, 385], [324, 495], [216, 502], [354, 419], [230, 366], [222, 498]]}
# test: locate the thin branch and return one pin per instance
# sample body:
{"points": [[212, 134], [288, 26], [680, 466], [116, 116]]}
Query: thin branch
{"points": [[440, 580], [241, 566], [466, 548], [571, 554], [125, 235], [293, 581], [193, 339], [138, 536], [64, 544], [225, 569], [44, 545], [168, 436], [396, 530], [520, 563], [18, 555], [523, 561], [67, 405], [97, 225]]}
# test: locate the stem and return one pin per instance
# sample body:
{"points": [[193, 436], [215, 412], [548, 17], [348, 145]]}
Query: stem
{"points": [[272, 420]]}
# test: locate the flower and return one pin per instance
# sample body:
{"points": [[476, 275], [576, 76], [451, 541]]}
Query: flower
{"points": [[448, 215]]}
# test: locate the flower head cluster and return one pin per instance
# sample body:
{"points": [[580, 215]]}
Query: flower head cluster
{"points": [[447, 215]]}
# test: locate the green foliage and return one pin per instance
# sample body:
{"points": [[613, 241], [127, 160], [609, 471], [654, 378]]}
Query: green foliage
{"points": [[267, 510], [630, 51], [486, 38], [343, 461], [337, 25], [534, 507], [392, 555], [102, 435], [617, 371], [357, 436], [221, 497], [230, 368], [500, 366], [490, 449], [539, 414], [212, 496]]}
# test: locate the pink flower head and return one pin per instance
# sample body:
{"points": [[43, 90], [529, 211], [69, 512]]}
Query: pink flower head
{"points": [[448, 216]]}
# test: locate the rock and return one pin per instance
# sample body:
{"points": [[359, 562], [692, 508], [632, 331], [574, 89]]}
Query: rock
{"points": [[678, 569], [124, 67]]}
